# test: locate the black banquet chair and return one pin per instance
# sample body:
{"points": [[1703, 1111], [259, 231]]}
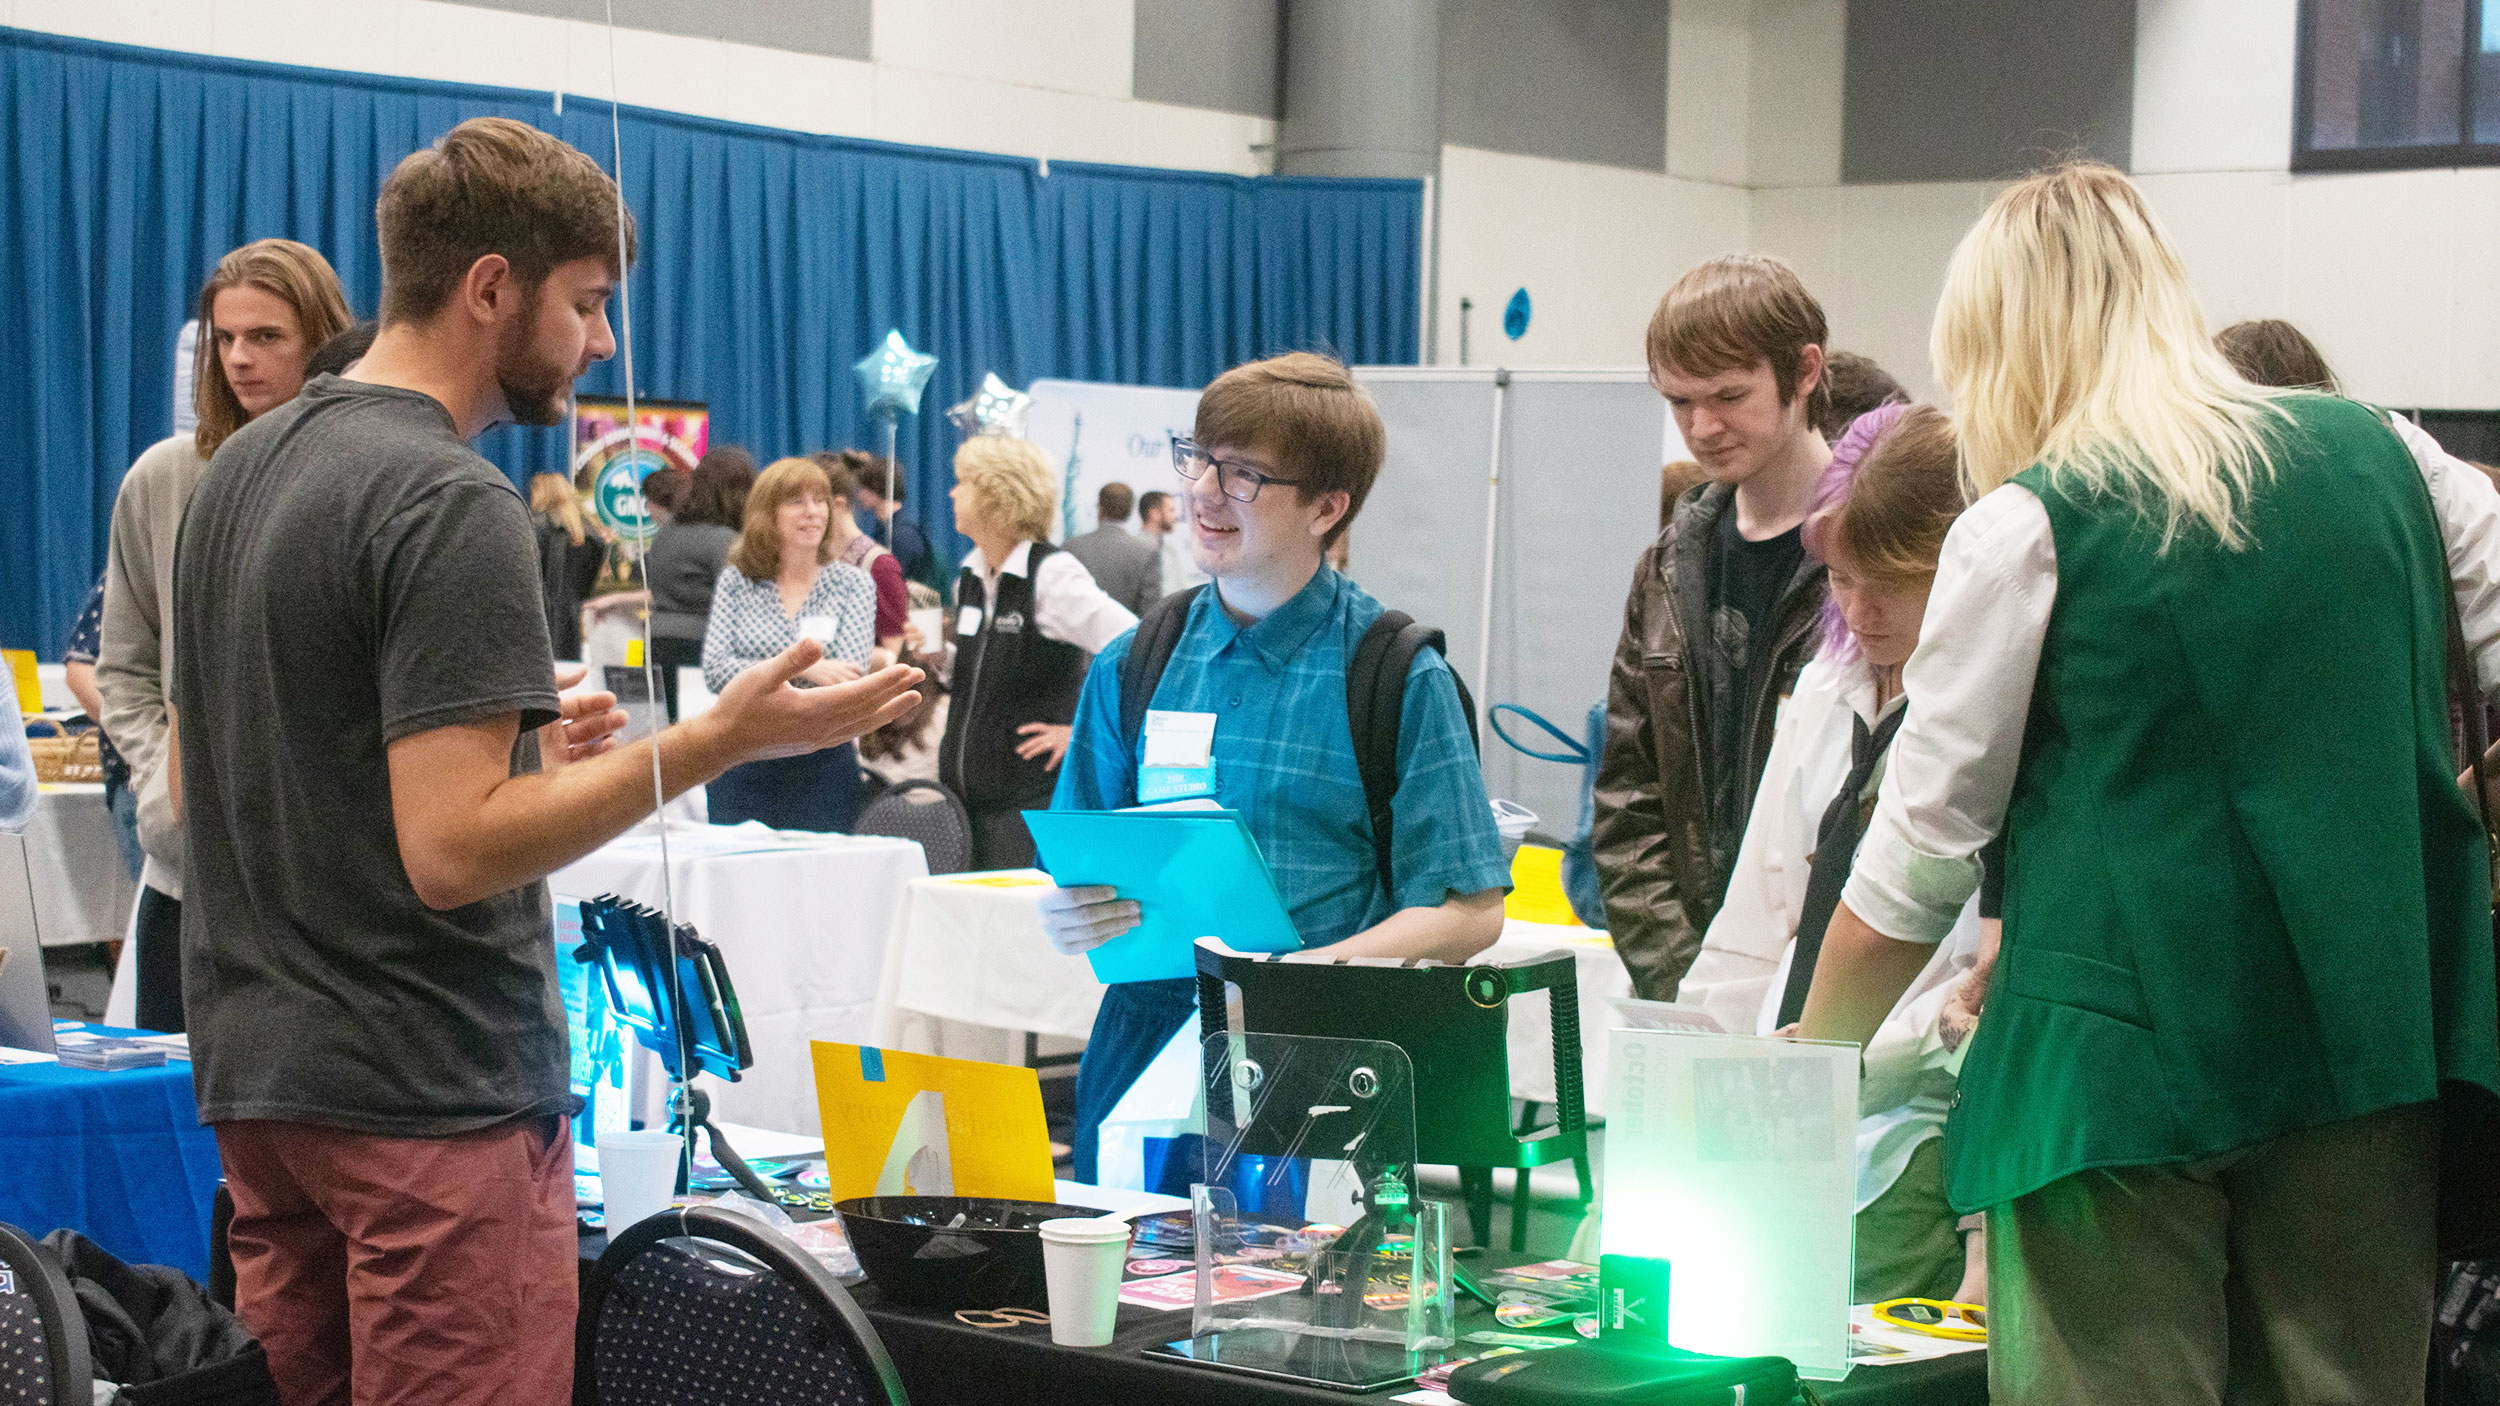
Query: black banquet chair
{"points": [[43, 1334], [927, 812], [702, 1305]]}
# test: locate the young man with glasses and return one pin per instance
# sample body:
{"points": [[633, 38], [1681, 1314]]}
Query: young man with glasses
{"points": [[1286, 450]]}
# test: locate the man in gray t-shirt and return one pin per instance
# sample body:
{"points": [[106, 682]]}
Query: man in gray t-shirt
{"points": [[390, 602], [376, 774]]}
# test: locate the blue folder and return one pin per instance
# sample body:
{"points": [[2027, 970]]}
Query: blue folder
{"points": [[1193, 874]]}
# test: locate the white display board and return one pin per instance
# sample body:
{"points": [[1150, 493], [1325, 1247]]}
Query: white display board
{"points": [[1097, 433], [1576, 505], [1734, 1159]]}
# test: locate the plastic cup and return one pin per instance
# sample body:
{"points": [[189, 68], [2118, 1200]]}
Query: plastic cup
{"points": [[637, 1175], [1081, 1260], [1514, 821]]}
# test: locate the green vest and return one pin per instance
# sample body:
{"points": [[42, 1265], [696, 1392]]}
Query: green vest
{"points": [[2244, 893]]}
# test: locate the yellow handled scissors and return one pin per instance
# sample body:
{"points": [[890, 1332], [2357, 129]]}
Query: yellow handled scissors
{"points": [[1936, 1318], [999, 1317]]}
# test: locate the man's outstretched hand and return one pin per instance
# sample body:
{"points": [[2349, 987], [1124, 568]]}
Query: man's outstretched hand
{"points": [[761, 714], [588, 724]]}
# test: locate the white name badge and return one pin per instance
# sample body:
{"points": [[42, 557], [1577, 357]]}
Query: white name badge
{"points": [[968, 620], [1178, 739], [816, 627], [1179, 757]]}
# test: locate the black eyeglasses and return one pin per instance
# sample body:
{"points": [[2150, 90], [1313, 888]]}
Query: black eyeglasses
{"points": [[1237, 480]]}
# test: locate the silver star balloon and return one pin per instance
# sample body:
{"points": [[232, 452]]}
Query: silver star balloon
{"points": [[996, 408], [892, 376]]}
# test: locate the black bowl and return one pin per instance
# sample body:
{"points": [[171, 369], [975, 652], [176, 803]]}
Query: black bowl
{"points": [[950, 1252]]}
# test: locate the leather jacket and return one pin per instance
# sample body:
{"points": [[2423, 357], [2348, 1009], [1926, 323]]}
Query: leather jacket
{"points": [[1662, 856]]}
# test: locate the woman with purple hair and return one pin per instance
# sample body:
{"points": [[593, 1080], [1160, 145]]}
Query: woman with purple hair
{"points": [[1878, 520]]}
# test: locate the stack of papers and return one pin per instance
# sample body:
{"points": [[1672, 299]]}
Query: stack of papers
{"points": [[88, 1051]]}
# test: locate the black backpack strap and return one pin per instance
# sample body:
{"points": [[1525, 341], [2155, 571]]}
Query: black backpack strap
{"points": [[1148, 653], [1375, 708]]}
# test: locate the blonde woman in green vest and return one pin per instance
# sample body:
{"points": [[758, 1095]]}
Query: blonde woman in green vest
{"points": [[2186, 650]]}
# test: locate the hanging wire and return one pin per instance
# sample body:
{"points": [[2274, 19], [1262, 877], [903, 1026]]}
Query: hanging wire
{"points": [[653, 694]]}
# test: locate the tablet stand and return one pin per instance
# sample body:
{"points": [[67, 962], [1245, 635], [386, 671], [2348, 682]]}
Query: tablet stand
{"points": [[691, 1108]]}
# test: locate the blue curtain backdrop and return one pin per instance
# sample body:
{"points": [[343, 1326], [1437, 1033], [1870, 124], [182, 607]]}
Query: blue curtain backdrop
{"points": [[770, 261]]}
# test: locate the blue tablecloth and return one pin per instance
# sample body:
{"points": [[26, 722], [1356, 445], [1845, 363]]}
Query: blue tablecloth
{"points": [[120, 1158]]}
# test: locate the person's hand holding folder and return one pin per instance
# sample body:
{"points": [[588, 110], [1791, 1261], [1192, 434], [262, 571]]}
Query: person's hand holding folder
{"points": [[1136, 889], [1082, 919]]}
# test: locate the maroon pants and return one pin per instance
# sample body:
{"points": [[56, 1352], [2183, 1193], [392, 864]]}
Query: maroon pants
{"points": [[391, 1271]]}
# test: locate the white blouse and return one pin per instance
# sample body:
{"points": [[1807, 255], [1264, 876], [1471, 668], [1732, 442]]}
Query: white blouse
{"points": [[1907, 1083], [1067, 605], [749, 625], [1951, 773]]}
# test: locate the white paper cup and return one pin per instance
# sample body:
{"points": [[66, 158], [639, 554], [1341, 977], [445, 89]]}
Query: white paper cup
{"points": [[637, 1175], [1081, 1260], [1514, 821]]}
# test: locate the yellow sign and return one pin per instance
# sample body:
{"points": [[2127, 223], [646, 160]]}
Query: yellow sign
{"points": [[904, 1124], [1536, 890], [22, 670]]}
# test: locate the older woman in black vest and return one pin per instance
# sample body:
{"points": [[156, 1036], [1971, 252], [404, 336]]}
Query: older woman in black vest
{"points": [[1028, 621]]}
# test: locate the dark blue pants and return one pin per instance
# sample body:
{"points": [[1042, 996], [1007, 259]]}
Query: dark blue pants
{"points": [[812, 791], [159, 935], [1135, 1023]]}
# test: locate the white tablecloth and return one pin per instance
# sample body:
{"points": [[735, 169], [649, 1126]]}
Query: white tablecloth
{"points": [[969, 971], [1601, 978], [82, 893], [968, 959], [802, 920]]}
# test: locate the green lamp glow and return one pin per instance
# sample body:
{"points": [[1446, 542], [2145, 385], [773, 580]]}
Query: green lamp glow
{"points": [[1731, 1160]]}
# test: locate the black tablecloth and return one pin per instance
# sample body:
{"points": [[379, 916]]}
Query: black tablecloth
{"points": [[945, 1363]]}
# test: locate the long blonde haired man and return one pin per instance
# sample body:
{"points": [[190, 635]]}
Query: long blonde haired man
{"points": [[263, 313], [2186, 652]]}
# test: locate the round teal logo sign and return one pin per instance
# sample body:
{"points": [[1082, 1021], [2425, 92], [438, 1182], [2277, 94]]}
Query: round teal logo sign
{"points": [[616, 493]]}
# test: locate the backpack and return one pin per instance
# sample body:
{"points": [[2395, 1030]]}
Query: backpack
{"points": [[1375, 699]]}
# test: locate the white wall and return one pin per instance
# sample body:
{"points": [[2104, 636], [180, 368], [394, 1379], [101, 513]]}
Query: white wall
{"points": [[1043, 80], [2396, 274], [1594, 246]]}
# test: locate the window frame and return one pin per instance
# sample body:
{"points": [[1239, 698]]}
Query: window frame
{"points": [[2465, 152]]}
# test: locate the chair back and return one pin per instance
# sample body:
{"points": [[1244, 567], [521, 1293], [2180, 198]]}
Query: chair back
{"points": [[668, 1318], [927, 812], [43, 1335], [1453, 1024]]}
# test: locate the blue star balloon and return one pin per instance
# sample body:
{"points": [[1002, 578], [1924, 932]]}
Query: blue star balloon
{"points": [[996, 408], [893, 375]]}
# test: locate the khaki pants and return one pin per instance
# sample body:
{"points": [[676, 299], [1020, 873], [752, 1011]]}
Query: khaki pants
{"points": [[2296, 1271], [1907, 1245]]}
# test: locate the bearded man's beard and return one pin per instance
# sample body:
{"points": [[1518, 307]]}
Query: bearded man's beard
{"points": [[536, 391]]}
